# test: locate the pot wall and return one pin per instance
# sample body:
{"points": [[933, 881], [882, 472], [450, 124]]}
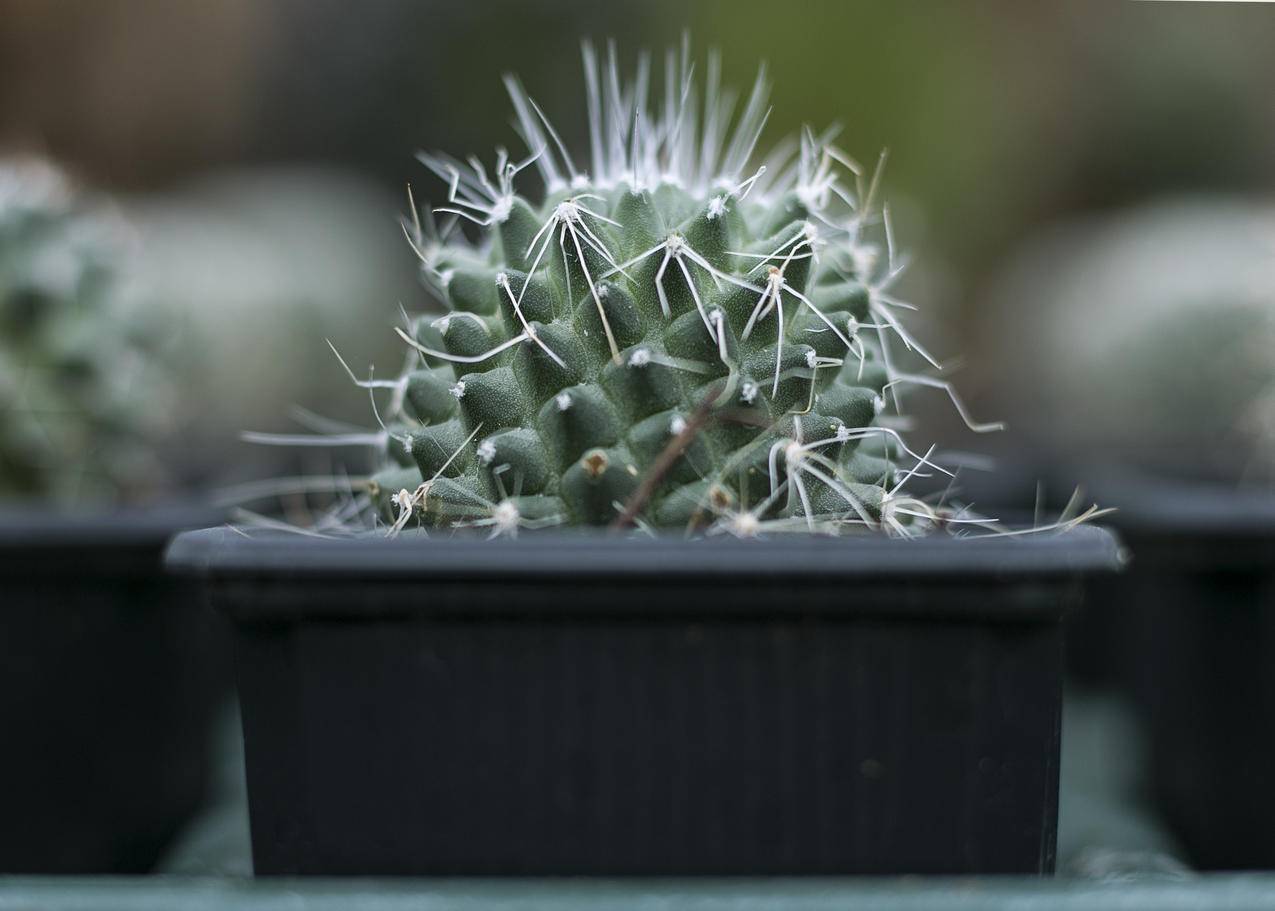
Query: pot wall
{"points": [[603, 706], [109, 673], [635, 745]]}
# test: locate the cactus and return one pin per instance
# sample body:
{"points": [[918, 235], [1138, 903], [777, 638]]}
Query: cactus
{"points": [[70, 356], [1151, 332], [673, 336]]}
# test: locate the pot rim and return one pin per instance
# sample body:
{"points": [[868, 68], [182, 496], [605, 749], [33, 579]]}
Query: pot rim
{"points": [[227, 553], [44, 540]]}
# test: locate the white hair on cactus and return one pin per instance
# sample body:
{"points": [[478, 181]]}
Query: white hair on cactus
{"points": [[683, 144], [744, 525], [505, 518], [470, 193]]}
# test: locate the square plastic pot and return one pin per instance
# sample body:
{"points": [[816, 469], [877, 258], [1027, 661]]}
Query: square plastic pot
{"points": [[109, 672], [1198, 604], [1188, 633], [604, 706]]}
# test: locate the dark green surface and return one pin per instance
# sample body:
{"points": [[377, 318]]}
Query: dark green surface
{"points": [[1215, 892]]}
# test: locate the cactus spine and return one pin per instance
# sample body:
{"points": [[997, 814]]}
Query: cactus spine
{"points": [[674, 335]]}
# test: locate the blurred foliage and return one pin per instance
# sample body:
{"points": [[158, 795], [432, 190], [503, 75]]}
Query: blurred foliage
{"points": [[996, 113], [82, 380]]}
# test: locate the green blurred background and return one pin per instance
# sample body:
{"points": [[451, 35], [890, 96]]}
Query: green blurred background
{"points": [[264, 127]]}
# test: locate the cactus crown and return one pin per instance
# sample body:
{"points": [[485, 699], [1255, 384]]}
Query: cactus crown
{"points": [[674, 336], [70, 358]]}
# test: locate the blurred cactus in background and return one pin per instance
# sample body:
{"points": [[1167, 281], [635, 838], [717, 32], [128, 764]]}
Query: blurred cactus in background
{"points": [[81, 389], [1153, 335], [673, 336], [258, 267]]}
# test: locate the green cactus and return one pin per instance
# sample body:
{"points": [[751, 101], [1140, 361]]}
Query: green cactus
{"points": [[673, 336], [70, 358], [1150, 332]]}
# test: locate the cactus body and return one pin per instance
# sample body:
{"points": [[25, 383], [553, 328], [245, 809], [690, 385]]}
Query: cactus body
{"points": [[670, 335]]}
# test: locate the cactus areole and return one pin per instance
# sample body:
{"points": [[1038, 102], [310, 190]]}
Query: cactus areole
{"points": [[677, 334]]}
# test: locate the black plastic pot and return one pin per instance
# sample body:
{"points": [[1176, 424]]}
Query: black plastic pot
{"points": [[593, 705], [1188, 631], [1198, 639], [108, 675]]}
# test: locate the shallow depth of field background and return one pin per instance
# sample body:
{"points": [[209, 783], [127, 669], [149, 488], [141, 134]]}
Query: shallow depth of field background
{"points": [[264, 144]]}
